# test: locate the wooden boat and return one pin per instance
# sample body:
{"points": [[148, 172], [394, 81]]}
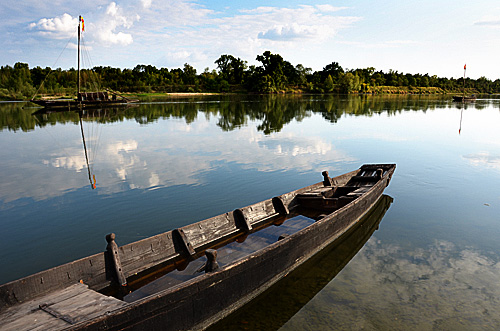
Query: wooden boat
{"points": [[151, 283], [85, 99], [461, 98]]}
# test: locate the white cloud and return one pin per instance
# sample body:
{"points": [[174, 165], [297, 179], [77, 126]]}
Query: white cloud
{"points": [[309, 22], [295, 31], [146, 3], [114, 18], [401, 42], [104, 27], [329, 8], [58, 27], [489, 20]]}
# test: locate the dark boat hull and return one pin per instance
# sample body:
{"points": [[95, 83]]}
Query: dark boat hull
{"points": [[205, 299], [463, 99], [73, 104]]}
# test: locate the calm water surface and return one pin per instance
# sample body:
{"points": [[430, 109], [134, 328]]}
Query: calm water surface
{"points": [[433, 262]]}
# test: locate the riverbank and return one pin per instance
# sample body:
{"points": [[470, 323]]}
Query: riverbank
{"points": [[378, 90]]}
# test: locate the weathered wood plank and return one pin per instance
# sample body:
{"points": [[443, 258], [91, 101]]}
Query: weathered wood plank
{"points": [[144, 254], [58, 309], [91, 270], [259, 211], [85, 306], [34, 320], [212, 229]]}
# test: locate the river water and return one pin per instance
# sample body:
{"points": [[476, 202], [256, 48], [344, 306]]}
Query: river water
{"points": [[432, 263]]}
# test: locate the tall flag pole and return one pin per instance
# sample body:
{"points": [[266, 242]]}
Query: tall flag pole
{"points": [[80, 20], [465, 67]]}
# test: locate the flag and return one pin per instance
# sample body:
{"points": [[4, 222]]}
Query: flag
{"points": [[83, 23], [465, 66]]}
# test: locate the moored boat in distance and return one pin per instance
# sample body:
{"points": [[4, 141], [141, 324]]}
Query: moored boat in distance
{"points": [[85, 99], [193, 276], [463, 97], [460, 98]]}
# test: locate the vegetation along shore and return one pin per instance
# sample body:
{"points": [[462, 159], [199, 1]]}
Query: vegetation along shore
{"points": [[233, 75]]}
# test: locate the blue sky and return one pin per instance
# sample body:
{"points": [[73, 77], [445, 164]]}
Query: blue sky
{"points": [[430, 36]]}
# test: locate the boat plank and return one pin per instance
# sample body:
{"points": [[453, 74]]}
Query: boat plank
{"points": [[90, 270], [146, 253], [86, 306], [259, 211], [59, 309], [210, 230], [34, 320]]}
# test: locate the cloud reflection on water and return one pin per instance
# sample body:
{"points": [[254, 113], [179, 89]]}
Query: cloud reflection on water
{"points": [[168, 153], [484, 159]]}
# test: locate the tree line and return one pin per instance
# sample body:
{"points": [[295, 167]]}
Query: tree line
{"points": [[232, 74]]}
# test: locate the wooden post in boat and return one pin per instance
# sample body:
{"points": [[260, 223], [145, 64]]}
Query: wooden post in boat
{"points": [[242, 220], [327, 181], [280, 207], [112, 250], [212, 264]]}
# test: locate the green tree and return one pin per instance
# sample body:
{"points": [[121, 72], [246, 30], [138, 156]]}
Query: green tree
{"points": [[189, 74], [333, 69], [273, 69], [349, 83], [231, 69], [329, 84]]}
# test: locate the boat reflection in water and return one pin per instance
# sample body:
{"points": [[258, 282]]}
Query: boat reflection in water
{"points": [[93, 116], [273, 308]]}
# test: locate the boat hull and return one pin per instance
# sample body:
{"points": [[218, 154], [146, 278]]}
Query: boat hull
{"points": [[203, 300], [199, 303], [72, 104], [457, 98]]}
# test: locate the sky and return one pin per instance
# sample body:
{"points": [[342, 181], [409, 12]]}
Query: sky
{"points": [[435, 37]]}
